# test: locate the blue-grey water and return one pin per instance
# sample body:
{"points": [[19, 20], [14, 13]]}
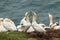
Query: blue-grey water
{"points": [[15, 9]]}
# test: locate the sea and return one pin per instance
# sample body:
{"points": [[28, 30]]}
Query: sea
{"points": [[16, 9]]}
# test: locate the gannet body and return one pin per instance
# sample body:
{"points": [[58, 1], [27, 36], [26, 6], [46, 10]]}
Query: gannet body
{"points": [[57, 27], [9, 24], [44, 26], [53, 26], [37, 27]]}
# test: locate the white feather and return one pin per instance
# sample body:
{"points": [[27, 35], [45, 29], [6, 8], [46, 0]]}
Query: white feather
{"points": [[9, 26], [37, 27], [2, 29]]}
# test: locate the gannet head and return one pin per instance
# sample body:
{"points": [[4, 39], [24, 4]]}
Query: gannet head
{"points": [[1, 19], [25, 22], [34, 16], [25, 19], [26, 16], [50, 17]]}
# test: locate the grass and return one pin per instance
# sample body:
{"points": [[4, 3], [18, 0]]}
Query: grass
{"points": [[14, 36], [17, 36]]}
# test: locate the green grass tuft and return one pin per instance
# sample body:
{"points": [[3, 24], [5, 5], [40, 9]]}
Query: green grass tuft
{"points": [[17, 36], [14, 36]]}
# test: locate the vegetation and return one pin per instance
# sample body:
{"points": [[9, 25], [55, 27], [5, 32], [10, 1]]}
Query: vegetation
{"points": [[17, 36], [14, 36]]}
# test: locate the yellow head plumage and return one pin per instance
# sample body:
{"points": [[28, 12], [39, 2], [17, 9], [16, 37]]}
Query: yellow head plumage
{"points": [[7, 20], [34, 16], [51, 18], [26, 16], [51, 21]]}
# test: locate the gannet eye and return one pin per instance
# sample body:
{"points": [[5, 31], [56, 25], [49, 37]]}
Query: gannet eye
{"points": [[25, 18], [21, 24]]}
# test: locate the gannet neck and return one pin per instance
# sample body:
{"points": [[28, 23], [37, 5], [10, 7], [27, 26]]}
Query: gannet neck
{"points": [[59, 22], [26, 13], [34, 17], [26, 18], [51, 19], [52, 25], [34, 20]]}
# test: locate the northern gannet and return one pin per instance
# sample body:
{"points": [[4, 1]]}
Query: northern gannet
{"points": [[9, 24], [2, 29], [25, 24], [37, 27], [53, 26]]}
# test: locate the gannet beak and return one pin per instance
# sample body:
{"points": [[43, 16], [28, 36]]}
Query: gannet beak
{"points": [[50, 15]]}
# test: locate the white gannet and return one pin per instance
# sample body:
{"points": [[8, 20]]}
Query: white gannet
{"points": [[37, 27], [25, 24], [2, 29], [53, 26], [9, 24]]}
